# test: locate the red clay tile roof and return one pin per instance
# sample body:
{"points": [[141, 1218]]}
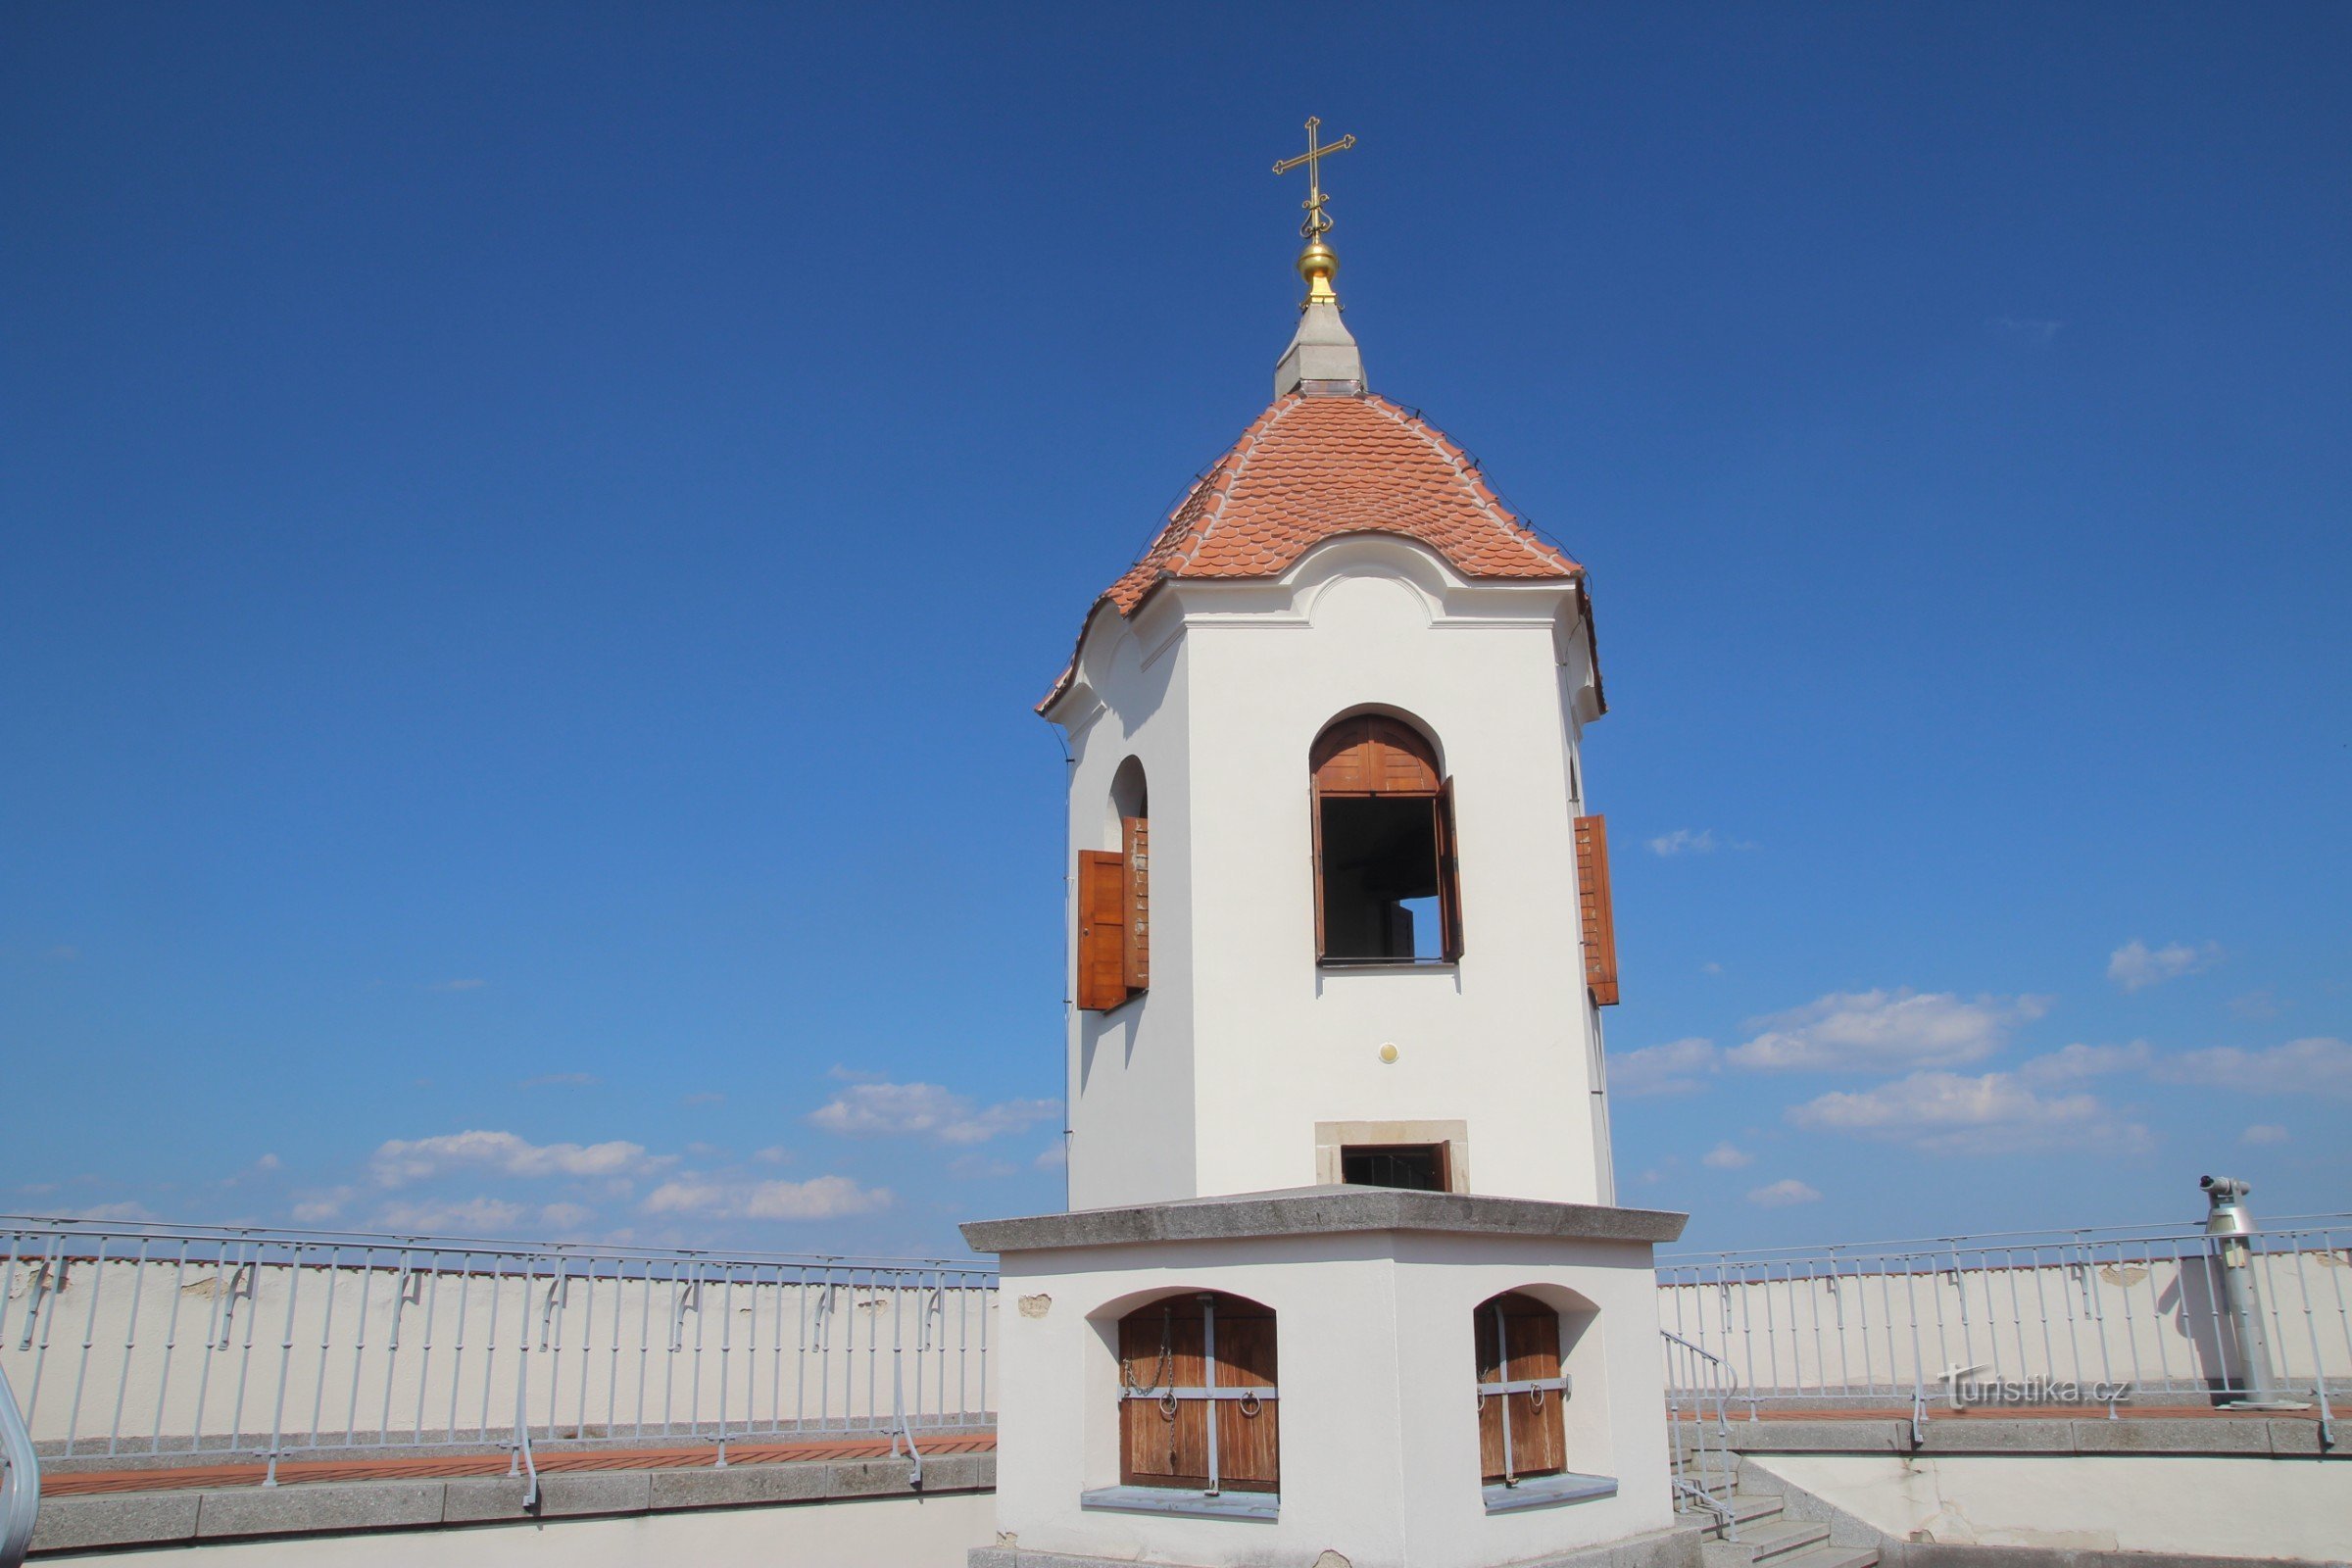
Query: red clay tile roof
{"points": [[1314, 467]]}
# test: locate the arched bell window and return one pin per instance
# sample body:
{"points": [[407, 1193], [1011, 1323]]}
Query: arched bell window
{"points": [[1386, 879], [1114, 900], [1521, 1390], [1198, 1396]]}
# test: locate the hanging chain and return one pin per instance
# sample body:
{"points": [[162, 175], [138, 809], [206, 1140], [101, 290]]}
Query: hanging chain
{"points": [[1163, 1375]]}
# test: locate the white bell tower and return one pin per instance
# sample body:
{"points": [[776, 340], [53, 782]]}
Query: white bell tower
{"points": [[1342, 1270], [1342, 697]]}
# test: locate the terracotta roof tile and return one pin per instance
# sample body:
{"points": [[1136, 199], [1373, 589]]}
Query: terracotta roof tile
{"points": [[1311, 468]]}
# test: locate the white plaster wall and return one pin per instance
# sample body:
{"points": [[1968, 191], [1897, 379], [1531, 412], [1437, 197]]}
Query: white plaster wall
{"points": [[902, 1532], [1269, 1044], [1379, 1434], [1131, 1070], [2291, 1508], [2149, 1319]]}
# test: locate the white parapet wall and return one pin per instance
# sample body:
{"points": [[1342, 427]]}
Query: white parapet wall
{"points": [[897, 1532], [2298, 1509], [127, 1358], [121, 1356], [2153, 1318]]}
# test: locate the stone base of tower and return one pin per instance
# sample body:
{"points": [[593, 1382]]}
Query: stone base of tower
{"points": [[1360, 1324]]}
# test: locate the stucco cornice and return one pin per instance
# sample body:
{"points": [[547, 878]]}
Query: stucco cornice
{"points": [[1323, 1212]]}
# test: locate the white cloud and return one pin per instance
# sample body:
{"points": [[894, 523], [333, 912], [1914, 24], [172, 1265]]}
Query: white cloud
{"points": [[1695, 841], [707, 1097], [475, 1216], [926, 1111], [116, 1211], [2264, 1134], [1673, 1068], [267, 1165], [1782, 1194], [317, 1208], [715, 1197], [403, 1160], [566, 1219], [772, 1154], [1949, 1113], [2319, 1065], [1723, 1156], [1885, 1031], [2075, 1063], [1053, 1157], [2263, 1004], [2133, 965]]}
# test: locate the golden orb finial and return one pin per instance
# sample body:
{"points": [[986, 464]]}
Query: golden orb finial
{"points": [[1318, 263]]}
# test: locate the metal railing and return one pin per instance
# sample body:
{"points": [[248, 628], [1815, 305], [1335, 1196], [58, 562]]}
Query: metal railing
{"points": [[137, 1340], [1704, 1473], [2102, 1318], [20, 1481]]}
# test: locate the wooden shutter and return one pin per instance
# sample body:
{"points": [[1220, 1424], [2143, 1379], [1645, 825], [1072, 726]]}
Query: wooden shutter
{"points": [[1101, 929], [1450, 875], [1163, 1436], [1314, 817], [1374, 755], [1136, 831], [1600, 920], [1520, 1343], [1248, 1456]]}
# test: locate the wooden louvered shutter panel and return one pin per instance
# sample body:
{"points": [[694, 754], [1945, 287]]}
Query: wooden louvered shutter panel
{"points": [[1599, 919], [1101, 929], [1138, 953], [1450, 875]]}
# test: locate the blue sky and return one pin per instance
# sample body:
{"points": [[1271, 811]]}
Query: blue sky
{"points": [[531, 534]]}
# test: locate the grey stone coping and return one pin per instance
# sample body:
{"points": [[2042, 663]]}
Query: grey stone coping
{"points": [[1323, 1212], [1678, 1547], [108, 1520], [2252, 1437], [1263, 1505], [1548, 1491]]}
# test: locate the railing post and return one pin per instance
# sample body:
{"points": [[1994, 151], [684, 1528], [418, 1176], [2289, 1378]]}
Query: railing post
{"points": [[20, 1481]]}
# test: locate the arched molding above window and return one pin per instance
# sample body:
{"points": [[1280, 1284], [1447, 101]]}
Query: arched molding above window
{"points": [[1411, 565], [1130, 794]]}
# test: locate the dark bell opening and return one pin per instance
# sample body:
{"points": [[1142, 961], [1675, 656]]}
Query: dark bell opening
{"points": [[1380, 877]]}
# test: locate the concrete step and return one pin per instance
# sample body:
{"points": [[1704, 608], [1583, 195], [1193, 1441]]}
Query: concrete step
{"points": [[1825, 1555], [1777, 1541]]}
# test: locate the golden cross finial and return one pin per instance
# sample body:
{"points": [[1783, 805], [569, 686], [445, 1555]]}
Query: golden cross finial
{"points": [[1317, 262], [1318, 222]]}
